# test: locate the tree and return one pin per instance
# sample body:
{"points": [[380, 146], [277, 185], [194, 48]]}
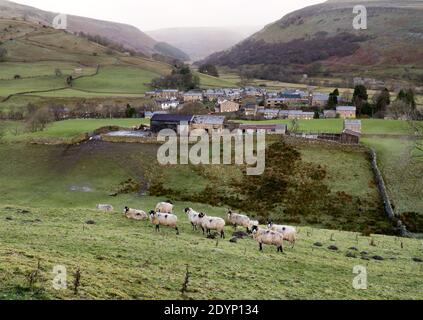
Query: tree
{"points": [[209, 69], [130, 112], [181, 78], [192, 108], [333, 99], [408, 97], [381, 102], [38, 119], [360, 97]]}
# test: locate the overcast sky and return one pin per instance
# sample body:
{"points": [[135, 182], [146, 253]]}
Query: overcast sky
{"points": [[158, 14]]}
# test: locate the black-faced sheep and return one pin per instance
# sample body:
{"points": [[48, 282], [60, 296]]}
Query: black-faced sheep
{"points": [[164, 207], [237, 219], [135, 214], [289, 232], [194, 218], [269, 237], [212, 223], [164, 219]]}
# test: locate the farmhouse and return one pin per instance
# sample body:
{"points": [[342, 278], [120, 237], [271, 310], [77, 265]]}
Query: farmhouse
{"points": [[270, 129], [274, 102], [208, 123], [228, 106], [347, 112], [250, 109], [193, 96], [298, 114], [270, 114], [168, 121]]}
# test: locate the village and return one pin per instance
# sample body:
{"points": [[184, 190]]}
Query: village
{"points": [[251, 103]]}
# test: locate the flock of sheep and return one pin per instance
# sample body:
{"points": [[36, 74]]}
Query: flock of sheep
{"points": [[274, 235]]}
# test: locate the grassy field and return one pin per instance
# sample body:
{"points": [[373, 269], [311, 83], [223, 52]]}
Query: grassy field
{"points": [[48, 193], [67, 129], [402, 173], [121, 259]]}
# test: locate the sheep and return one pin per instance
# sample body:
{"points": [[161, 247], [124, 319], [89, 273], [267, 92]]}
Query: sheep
{"points": [[193, 217], [135, 214], [212, 223], [164, 207], [239, 220], [253, 223], [269, 237], [289, 233], [164, 219]]}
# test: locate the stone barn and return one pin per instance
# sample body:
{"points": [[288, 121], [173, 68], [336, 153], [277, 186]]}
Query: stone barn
{"points": [[350, 137], [208, 123]]}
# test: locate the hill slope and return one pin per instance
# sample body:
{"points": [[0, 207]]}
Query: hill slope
{"points": [[127, 35], [198, 43], [324, 33]]}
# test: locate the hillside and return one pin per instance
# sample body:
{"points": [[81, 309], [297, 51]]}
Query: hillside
{"points": [[38, 59], [130, 37], [120, 259], [199, 43], [391, 47]]}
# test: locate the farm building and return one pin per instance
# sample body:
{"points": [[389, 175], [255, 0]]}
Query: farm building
{"points": [[347, 112], [350, 137], [270, 129], [353, 125], [228, 106], [168, 121], [208, 123], [193, 96], [300, 115]]}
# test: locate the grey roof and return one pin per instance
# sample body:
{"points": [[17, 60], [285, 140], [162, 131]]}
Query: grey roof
{"points": [[171, 118], [346, 108], [207, 119]]}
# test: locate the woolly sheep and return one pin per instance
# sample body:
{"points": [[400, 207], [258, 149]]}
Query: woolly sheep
{"points": [[237, 219], [289, 232], [164, 207], [193, 217], [164, 219], [135, 214], [212, 223], [269, 237]]}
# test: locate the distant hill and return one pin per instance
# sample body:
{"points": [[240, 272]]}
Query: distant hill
{"points": [[198, 43], [320, 40], [129, 36]]}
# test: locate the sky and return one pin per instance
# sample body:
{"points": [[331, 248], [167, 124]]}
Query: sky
{"points": [[159, 14]]}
